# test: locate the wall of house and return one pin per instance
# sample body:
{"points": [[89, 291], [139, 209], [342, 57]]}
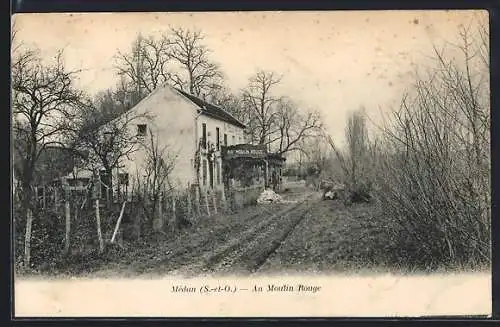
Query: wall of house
{"points": [[171, 119], [176, 126], [234, 136]]}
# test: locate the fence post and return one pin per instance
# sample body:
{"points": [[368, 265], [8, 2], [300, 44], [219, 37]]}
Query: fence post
{"points": [[56, 199], [36, 197], [67, 214], [27, 238], [198, 201], [214, 200], [43, 197], [98, 219], [206, 202], [160, 211], [118, 222], [189, 202], [223, 198], [174, 218]]}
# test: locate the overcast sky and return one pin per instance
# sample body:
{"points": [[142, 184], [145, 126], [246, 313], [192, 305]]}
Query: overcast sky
{"points": [[332, 61]]}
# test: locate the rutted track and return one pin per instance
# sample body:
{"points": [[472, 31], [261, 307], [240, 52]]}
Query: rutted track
{"points": [[249, 250], [255, 254], [241, 242], [185, 255]]}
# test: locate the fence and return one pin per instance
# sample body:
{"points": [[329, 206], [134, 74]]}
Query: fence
{"points": [[72, 221]]}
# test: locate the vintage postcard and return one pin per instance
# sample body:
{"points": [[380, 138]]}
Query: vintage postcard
{"points": [[251, 164]]}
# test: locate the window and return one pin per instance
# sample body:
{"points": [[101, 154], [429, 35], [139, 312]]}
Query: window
{"points": [[217, 138], [205, 172], [141, 130], [233, 140], [204, 135], [225, 139]]}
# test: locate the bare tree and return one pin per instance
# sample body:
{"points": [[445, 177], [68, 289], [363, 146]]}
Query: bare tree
{"points": [[197, 73], [179, 57], [354, 159], [43, 96], [261, 106], [435, 163], [294, 125], [222, 96], [152, 184], [317, 153], [160, 162], [145, 67], [274, 120], [14, 44], [104, 138]]}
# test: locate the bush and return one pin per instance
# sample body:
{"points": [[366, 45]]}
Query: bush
{"points": [[429, 169], [432, 168]]}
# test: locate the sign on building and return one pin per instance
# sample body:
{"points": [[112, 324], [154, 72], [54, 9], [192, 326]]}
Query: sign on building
{"points": [[244, 151]]}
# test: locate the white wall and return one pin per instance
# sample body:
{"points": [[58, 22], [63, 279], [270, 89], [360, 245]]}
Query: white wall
{"points": [[172, 121]]}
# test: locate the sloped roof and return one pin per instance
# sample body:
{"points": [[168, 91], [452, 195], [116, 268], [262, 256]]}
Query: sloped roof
{"points": [[205, 107], [211, 110]]}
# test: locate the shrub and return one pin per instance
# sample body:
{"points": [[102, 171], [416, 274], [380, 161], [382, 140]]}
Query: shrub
{"points": [[433, 170]]}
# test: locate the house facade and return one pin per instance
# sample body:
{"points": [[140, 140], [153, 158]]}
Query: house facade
{"points": [[186, 131]]}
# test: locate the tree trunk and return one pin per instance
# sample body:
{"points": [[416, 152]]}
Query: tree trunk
{"points": [[27, 211]]}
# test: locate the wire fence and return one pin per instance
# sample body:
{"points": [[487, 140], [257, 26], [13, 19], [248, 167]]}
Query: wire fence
{"points": [[75, 220]]}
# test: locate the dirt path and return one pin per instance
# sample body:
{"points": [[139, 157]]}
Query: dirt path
{"points": [[307, 235], [247, 249], [332, 238], [221, 244]]}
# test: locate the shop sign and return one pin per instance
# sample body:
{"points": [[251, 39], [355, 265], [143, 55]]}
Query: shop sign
{"points": [[245, 152]]}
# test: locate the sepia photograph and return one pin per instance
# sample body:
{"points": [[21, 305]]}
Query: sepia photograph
{"points": [[293, 163]]}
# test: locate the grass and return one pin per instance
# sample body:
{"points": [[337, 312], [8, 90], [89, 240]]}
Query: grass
{"points": [[336, 238]]}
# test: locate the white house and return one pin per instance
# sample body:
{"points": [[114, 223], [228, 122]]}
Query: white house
{"points": [[188, 127]]}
